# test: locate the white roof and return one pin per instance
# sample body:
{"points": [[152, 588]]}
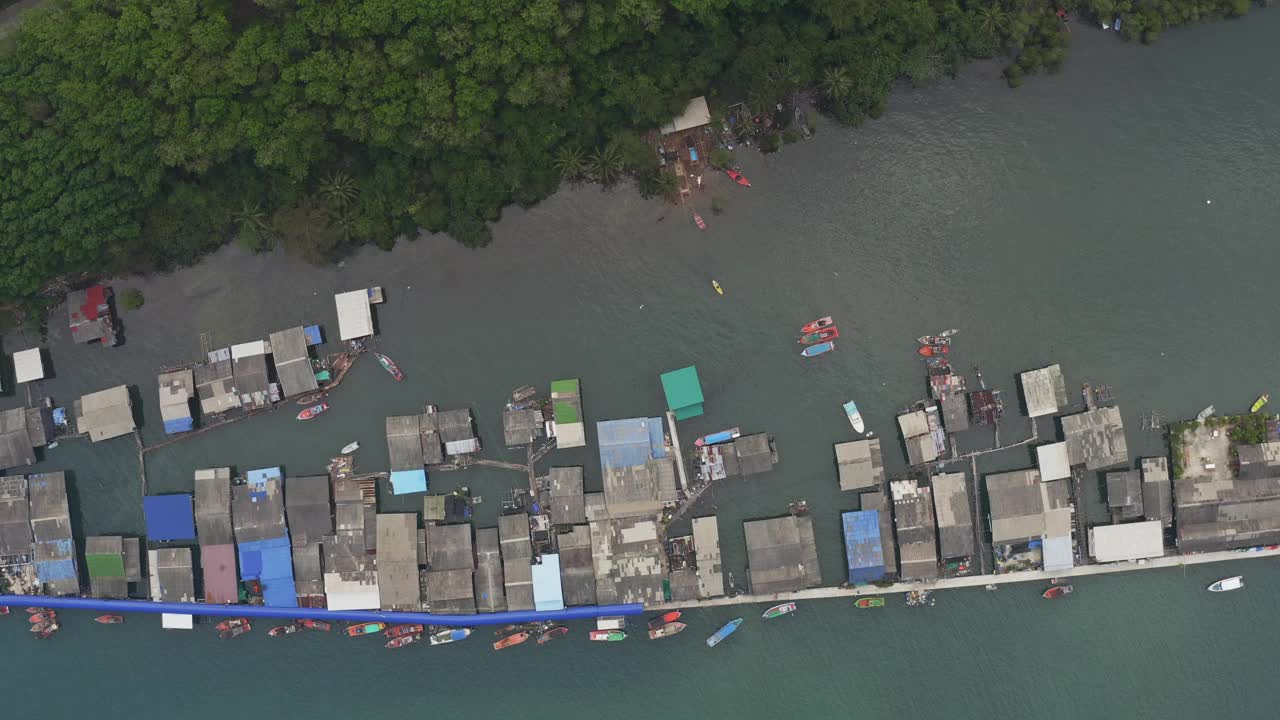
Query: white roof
{"points": [[570, 435], [1053, 462], [1056, 552], [365, 599], [170, 621], [1131, 541], [695, 114], [1038, 389], [354, 318], [28, 365], [249, 349]]}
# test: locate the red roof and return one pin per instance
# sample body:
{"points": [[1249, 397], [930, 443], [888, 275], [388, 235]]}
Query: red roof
{"points": [[95, 297]]}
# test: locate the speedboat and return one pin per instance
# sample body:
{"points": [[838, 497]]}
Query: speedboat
{"points": [[716, 438], [716, 285], [1206, 413], [666, 630], [948, 333], [830, 333], [779, 610], [933, 340], [350, 448], [820, 348], [817, 325], [313, 411], [1228, 584], [738, 178], [447, 636], [855, 417]]}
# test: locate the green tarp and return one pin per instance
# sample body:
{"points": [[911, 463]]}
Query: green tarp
{"points": [[684, 392], [105, 566]]}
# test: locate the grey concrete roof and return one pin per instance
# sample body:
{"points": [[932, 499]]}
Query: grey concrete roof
{"points": [[1124, 494], [1157, 491], [1096, 438], [781, 554], [451, 591], [860, 464], [706, 545], [15, 443], [955, 518], [455, 425], [521, 427], [398, 583], [449, 547], [955, 413], [577, 571], [914, 522], [628, 559], [172, 575], [513, 533], [879, 501], [568, 505], [215, 387], [1221, 514], [258, 518], [1017, 506], [308, 578], [293, 362], [15, 517], [307, 507], [489, 593], [213, 506], [250, 380], [517, 578], [755, 454], [913, 423], [404, 442], [921, 449], [1045, 390]]}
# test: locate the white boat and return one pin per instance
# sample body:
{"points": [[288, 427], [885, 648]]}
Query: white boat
{"points": [[447, 636], [855, 417], [350, 447], [1227, 584], [1205, 413], [948, 333]]}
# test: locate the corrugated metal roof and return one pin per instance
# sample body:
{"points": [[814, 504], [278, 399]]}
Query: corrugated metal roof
{"points": [[1130, 541], [271, 562], [105, 414], [863, 553], [218, 570], [683, 392]]}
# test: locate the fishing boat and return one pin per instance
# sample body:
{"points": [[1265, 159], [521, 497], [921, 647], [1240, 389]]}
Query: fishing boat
{"points": [[110, 619], [232, 623], [855, 417], [48, 633], [738, 178], [35, 610], [4, 609], [43, 617], [236, 631], [369, 628], [607, 635], [316, 625], [817, 325], [719, 290], [820, 348], [932, 350], [390, 366], [666, 630], [350, 448], [933, 340], [1263, 399], [558, 631], [663, 619], [43, 626], [869, 602], [283, 630], [403, 640], [402, 630], [830, 333], [313, 411], [447, 636], [1206, 413], [779, 610], [716, 438], [504, 630], [511, 640], [697, 220], [1057, 591], [1228, 584], [948, 333], [718, 636]]}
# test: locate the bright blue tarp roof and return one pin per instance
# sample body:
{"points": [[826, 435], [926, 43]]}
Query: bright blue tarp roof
{"points": [[404, 482], [862, 545], [169, 517], [271, 563], [547, 592]]}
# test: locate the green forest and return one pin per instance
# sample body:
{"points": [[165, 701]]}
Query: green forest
{"points": [[136, 135]]}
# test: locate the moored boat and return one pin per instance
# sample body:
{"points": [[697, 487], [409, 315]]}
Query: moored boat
{"points": [[663, 619], [697, 220], [48, 627], [447, 636], [313, 411], [236, 631], [933, 340], [350, 448], [948, 333], [43, 617], [738, 178], [1228, 584], [718, 636], [283, 630], [820, 348], [390, 366], [666, 630], [110, 619], [1263, 399], [1057, 591], [369, 628], [830, 333], [4, 609], [1206, 413], [716, 438], [403, 640], [868, 602], [607, 635], [34, 610], [719, 290], [511, 640], [855, 417], [47, 633], [232, 623], [817, 325], [396, 631], [550, 634], [320, 625], [779, 610], [934, 350]]}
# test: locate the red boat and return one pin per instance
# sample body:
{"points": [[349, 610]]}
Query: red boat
{"points": [[315, 625], [402, 630], [236, 631], [390, 366], [4, 609], [109, 619], [34, 610], [43, 617], [830, 333], [556, 632], [313, 411], [511, 640], [283, 630], [404, 640], [697, 219], [1057, 591], [46, 634], [817, 325], [932, 350], [661, 620], [231, 624], [43, 626], [738, 178]]}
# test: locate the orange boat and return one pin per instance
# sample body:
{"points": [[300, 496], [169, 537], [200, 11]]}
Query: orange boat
{"points": [[369, 628], [109, 619], [932, 350], [315, 625], [817, 325], [43, 617], [511, 640], [738, 178], [402, 630], [229, 624], [661, 620]]}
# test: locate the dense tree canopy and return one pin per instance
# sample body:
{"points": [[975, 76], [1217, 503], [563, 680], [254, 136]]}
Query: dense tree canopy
{"points": [[137, 134]]}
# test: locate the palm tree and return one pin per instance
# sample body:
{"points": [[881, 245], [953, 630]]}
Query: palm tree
{"points": [[253, 224], [570, 162], [993, 19], [338, 189], [836, 82], [606, 164]]}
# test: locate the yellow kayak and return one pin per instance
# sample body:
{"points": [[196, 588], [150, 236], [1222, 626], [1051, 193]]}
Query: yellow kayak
{"points": [[1262, 400], [716, 285]]}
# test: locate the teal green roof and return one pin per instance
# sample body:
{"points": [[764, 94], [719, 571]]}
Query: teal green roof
{"points": [[684, 392], [105, 566]]}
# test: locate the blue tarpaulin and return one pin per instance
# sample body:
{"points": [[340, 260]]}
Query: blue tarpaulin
{"points": [[547, 592], [629, 443], [178, 425], [862, 546], [261, 475], [169, 517], [312, 333], [404, 482], [271, 563]]}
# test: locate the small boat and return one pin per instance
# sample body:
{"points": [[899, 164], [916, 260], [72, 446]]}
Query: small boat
{"points": [[390, 366], [855, 417], [350, 448], [666, 630], [236, 631], [1228, 584], [283, 630], [110, 619], [511, 640], [932, 350], [49, 626], [661, 620], [4, 609], [820, 348], [43, 617], [401, 630], [716, 438], [504, 630], [369, 628], [779, 610], [316, 625], [738, 178], [830, 333], [817, 325], [447, 636], [697, 220], [948, 333], [719, 290], [933, 340], [232, 623], [558, 631], [313, 411], [868, 602], [1263, 399], [1206, 413], [607, 635], [718, 636], [47, 633], [35, 610], [403, 640], [1057, 591]]}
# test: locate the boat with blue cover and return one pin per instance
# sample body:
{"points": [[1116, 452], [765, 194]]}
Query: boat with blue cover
{"points": [[815, 350], [855, 417], [723, 632]]}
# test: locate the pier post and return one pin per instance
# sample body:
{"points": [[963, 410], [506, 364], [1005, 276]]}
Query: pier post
{"points": [[675, 447]]}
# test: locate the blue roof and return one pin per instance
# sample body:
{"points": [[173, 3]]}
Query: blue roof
{"points": [[312, 332], [271, 563], [629, 443], [404, 482], [49, 571], [547, 593], [169, 517], [262, 475], [862, 546], [179, 425]]}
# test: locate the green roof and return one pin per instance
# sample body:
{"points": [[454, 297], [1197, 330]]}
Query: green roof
{"points": [[565, 402], [684, 392], [105, 566]]}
